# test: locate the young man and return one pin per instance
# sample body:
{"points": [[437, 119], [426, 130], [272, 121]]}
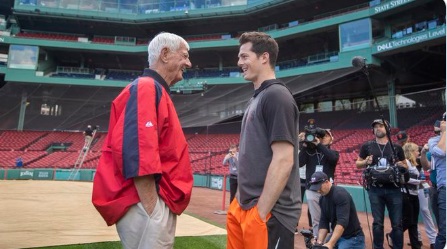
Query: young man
{"points": [[338, 214], [378, 152], [268, 202], [144, 177]]}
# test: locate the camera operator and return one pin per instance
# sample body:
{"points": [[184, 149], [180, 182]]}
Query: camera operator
{"points": [[317, 156], [232, 160], [379, 152]]}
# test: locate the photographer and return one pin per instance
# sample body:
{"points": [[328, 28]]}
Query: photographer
{"points": [[379, 152], [231, 159], [317, 156]]}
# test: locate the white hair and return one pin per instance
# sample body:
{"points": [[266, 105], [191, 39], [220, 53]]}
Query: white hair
{"points": [[164, 40]]}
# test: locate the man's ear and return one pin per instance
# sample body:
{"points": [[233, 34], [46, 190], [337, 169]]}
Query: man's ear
{"points": [[164, 54], [265, 58]]}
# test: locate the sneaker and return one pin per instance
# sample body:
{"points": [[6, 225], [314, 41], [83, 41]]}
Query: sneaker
{"points": [[389, 240]]}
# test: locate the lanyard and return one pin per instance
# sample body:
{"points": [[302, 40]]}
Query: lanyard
{"points": [[382, 150], [319, 156]]}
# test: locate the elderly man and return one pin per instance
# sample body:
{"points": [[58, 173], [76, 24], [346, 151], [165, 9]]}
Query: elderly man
{"points": [[144, 177]]}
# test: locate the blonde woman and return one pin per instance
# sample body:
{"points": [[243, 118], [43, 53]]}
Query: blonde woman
{"points": [[410, 197]]}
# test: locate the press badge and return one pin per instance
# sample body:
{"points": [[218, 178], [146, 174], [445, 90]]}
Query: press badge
{"points": [[319, 168]]}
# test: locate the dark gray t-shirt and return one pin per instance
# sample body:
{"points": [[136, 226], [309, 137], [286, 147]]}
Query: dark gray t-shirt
{"points": [[271, 115]]}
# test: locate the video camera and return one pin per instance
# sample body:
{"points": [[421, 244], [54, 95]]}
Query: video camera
{"points": [[311, 132], [308, 238]]}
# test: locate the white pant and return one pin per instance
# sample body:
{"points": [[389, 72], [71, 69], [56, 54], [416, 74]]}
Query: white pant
{"points": [[138, 230], [313, 205], [424, 211]]}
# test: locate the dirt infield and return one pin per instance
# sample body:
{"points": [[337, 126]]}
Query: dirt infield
{"points": [[46, 213]]}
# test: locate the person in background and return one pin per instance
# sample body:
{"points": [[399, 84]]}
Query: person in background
{"points": [[378, 152], [268, 202], [410, 199], [317, 156], [402, 138], [88, 135], [423, 190], [144, 177], [433, 187], [437, 146], [338, 214], [231, 159], [19, 162]]}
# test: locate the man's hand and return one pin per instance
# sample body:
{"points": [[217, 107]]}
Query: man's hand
{"points": [[425, 148], [147, 192], [301, 137], [316, 141], [362, 163]]}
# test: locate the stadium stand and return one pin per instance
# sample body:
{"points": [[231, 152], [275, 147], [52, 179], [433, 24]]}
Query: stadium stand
{"points": [[12, 140], [206, 150], [78, 65], [48, 36]]}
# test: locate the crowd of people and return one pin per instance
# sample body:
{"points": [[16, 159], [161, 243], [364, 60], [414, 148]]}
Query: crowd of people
{"points": [[144, 177]]}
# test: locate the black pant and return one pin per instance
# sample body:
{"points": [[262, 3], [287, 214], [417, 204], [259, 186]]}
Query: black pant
{"points": [[233, 187], [410, 214], [279, 235]]}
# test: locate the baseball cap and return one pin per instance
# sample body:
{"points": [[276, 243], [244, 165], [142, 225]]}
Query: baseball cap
{"points": [[379, 121], [437, 126], [328, 131], [316, 180], [401, 136]]}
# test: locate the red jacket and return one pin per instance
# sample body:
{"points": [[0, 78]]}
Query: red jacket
{"points": [[142, 140]]}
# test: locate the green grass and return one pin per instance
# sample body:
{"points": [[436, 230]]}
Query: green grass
{"points": [[193, 242]]}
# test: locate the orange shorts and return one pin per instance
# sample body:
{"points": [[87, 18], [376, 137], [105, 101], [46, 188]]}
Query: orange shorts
{"points": [[245, 229]]}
